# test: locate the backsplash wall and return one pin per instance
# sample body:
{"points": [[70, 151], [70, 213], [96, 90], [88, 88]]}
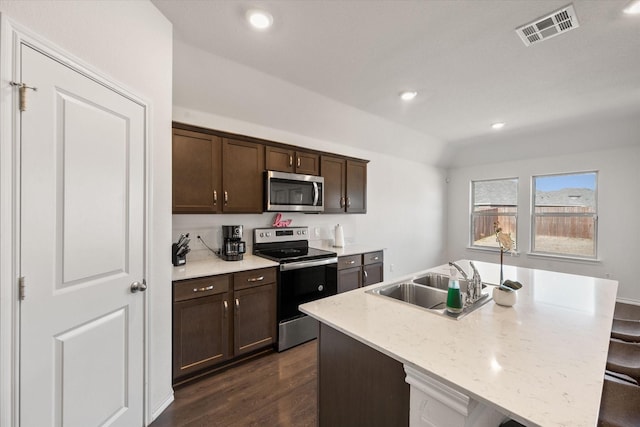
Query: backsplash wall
{"points": [[321, 228]]}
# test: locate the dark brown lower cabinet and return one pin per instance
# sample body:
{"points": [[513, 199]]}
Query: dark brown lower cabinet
{"points": [[200, 325], [355, 271], [357, 385], [218, 319], [255, 318]]}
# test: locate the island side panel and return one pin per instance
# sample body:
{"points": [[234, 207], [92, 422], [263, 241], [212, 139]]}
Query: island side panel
{"points": [[357, 385]]}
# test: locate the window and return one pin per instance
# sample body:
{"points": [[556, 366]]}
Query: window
{"points": [[491, 201], [564, 219]]}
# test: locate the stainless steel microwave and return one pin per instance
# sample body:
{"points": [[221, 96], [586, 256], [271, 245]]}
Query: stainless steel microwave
{"points": [[292, 192]]}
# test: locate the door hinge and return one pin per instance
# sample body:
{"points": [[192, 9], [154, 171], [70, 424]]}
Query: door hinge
{"points": [[22, 88], [21, 288]]}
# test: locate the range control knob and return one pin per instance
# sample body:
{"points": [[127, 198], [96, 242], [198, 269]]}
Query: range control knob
{"points": [[268, 234]]}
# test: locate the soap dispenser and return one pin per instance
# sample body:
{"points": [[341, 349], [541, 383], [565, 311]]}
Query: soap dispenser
{"points": [[454, 297]]}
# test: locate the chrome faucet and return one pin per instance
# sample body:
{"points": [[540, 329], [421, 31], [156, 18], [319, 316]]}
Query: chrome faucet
{"points": [[474, 286]]}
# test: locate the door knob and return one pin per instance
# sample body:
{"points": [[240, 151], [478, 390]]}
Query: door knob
{"points": [[137, 286]]}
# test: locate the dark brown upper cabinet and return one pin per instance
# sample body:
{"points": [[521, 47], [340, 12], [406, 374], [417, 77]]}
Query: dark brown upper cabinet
{"points": [[218, 172], [216, 175], [345, 185], [242, 176], [197, 178], [285, 160]]}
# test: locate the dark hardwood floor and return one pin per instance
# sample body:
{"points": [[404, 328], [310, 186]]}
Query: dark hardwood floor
{"points": [[278, 389]]}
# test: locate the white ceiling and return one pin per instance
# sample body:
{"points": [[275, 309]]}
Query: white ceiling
{"points": [[463, 56]]}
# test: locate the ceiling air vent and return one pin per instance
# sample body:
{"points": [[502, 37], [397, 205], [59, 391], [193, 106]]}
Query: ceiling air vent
{"points": [[548, 26]]}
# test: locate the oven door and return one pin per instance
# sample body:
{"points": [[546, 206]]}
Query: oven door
{"points": [[305, 281], [290, 192]]}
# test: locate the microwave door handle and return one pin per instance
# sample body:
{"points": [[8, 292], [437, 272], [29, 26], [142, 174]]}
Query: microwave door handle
{"points": [[316, 194]]}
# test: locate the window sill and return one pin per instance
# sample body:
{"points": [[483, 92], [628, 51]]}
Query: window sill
{"points": [[493, 250], [565, 258]]}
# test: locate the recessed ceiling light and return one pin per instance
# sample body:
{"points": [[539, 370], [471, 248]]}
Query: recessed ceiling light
{"points": [[259, 19], [408, 95], [632, 8], [498, 125]]}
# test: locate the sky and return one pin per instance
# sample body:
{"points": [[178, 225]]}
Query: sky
{"points": [[557, 182]]}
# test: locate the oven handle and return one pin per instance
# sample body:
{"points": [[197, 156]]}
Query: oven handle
{"points": [[304, 264]]}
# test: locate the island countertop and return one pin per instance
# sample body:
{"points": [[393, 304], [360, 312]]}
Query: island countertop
{"points": [[540, 362]]}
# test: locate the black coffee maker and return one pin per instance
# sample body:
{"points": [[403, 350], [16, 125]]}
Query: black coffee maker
{"points": [[233, 247]]}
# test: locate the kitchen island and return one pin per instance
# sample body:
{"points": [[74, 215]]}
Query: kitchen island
{"points": [[540, 362]]}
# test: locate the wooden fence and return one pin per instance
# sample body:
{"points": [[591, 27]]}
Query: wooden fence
{"points": [[556, 226]]}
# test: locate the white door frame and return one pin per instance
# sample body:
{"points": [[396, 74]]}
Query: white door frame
{"points": [[11, 36]]}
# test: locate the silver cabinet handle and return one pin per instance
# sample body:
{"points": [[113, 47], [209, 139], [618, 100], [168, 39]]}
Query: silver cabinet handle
{"points": [[342, 202], [215, 197], [226, 197], [375, 258], [237, 304], [290, 161], [348, 202], [206, 288], [255, 279], [298, 162], [138, 286], [364, 276], [226, 307], [350, 262]]}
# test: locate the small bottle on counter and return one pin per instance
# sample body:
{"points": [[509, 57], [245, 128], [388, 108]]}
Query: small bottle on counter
{"points": [[454, 297]]}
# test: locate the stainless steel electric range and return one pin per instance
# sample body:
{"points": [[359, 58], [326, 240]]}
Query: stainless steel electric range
{"points": [[305, 274]]}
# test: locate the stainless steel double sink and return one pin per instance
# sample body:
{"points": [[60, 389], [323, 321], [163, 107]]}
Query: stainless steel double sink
{"points": [[430, 293]]}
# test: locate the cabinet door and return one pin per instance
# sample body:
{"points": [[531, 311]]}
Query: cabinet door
{"points": [[279, 159], [255, 318], [243, 176], [196, 172], [333, 169], [200, 333], [356, 187], [349, 279], [372, 273], [307, 163]]}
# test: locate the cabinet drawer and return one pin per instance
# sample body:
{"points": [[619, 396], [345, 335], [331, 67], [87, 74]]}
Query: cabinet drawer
{"points": [[197, 288], [247, 279], [349, 261], [373, 257]]}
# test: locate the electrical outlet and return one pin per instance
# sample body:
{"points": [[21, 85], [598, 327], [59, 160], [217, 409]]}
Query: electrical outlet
{"points": [[391, 266]]}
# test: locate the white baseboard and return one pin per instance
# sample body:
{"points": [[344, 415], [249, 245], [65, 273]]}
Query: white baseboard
{"points": [[628, 301], [165, 404]]}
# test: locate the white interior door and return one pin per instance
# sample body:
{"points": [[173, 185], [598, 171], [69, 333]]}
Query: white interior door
{"points": [[81, 248]]}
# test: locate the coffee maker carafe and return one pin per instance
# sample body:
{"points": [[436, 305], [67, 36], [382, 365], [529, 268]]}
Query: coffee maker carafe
{"points": [[233, 247]]}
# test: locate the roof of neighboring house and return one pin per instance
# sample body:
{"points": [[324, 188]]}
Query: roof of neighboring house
{"points": [[505, 192]]}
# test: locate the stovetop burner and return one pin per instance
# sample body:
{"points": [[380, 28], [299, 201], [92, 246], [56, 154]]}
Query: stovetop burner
{"points": [[294, 254], [286, 245]]}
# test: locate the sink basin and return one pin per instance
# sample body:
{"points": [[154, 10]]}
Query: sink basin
{"points": [[440, 281], [435, 280], [431, 298], [411, 293]]}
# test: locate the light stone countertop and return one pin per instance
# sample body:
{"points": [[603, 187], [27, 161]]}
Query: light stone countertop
{"points": [[214, 265], [541, 362], [350, 249]]}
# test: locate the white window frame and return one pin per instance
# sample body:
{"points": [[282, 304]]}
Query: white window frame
{"points": [[534, 215], [474, 214]]}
